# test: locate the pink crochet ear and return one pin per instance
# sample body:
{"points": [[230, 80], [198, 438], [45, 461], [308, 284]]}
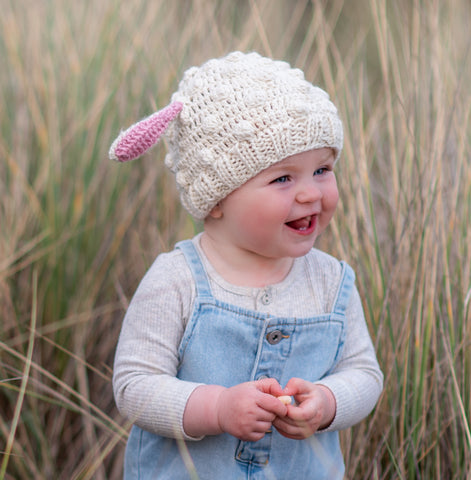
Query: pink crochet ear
{"points": [[141, 136]]}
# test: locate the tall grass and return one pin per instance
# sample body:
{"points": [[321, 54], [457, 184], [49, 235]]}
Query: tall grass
{"points": [[77, 232]]}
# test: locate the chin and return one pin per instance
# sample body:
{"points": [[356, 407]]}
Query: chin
{"points": [[302, 250]]}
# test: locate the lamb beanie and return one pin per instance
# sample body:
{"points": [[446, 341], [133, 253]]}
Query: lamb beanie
{"points": [[230, 119]]}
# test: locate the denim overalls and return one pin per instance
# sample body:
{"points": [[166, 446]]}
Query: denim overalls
{"points": [[227, 345]]}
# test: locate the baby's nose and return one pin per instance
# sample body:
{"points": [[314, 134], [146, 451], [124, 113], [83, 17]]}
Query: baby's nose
{"points": [[308, 192]]}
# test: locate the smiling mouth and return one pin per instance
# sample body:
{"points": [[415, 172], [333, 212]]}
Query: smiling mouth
{"points": [[302, 224]]}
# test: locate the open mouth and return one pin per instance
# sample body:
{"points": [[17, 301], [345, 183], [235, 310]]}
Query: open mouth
{"points": [[304, 224]]}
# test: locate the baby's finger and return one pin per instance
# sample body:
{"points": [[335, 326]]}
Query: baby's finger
{"points": [[270, 386], [291, 429], [297, 386], [273, 405]]}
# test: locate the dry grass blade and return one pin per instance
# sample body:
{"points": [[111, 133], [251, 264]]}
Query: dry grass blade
{"points": [[24, 381]]}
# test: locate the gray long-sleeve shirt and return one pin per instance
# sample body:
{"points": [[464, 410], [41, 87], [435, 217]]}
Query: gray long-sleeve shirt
{"points": [[145, 385]]}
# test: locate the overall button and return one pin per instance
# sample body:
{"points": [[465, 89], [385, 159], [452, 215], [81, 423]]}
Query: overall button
{"points": [[274, 337]]}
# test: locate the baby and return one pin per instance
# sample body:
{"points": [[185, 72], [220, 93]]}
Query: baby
{"points": [[227, 325]]}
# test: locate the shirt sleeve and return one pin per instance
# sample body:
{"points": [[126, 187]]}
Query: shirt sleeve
{"points": [[357, 380], [145, 386]]}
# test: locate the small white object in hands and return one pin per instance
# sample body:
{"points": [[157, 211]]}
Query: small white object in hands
{"points": [[286, 399]]}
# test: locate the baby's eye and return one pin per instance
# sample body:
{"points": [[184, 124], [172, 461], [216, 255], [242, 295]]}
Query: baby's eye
{"points": [[282, 179], [321, 171]]}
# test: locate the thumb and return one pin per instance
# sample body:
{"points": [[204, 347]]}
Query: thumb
{"points": [[296, 386]]}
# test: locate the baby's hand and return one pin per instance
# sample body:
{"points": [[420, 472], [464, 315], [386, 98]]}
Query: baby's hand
{"points": [[315, 410], [247, 411]]}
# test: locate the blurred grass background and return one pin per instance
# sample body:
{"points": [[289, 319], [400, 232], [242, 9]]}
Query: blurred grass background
{"points": [[77, 232]]}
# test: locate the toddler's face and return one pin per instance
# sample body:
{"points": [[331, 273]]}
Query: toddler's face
{"points": [[281, 211]]}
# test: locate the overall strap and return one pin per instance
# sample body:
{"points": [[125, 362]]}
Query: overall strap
{"points": [[344, 291], [196, 266]]}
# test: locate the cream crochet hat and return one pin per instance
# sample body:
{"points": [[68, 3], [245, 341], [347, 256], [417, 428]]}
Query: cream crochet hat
{"points": [[230, 119]]}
